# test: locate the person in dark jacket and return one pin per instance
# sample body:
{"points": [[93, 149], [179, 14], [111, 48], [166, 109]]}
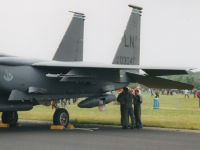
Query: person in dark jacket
{"points": [[121, 101], [126, 101], [137, 109], [128, 108]]}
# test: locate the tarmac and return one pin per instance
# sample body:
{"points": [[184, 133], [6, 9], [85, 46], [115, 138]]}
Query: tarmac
{"points": [[36, 135]]}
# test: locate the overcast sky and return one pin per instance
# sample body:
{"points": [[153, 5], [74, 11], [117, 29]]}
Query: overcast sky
{"points": [[170, 31]]}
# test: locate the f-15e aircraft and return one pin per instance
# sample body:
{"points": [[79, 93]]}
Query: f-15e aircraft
{"points": [[25, 83]]}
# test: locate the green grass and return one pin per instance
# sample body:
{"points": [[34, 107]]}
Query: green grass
{"points": [[175, 112]]}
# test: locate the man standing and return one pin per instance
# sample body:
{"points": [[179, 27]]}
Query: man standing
{"points": [[194, 93], [128, 96], [137, 109], [198, 95], [121, 100], [186, 93], [156, 94]]}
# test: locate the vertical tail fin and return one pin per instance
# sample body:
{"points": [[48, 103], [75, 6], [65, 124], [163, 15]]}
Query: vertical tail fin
{"points": [[71, 46], [128, 52]]}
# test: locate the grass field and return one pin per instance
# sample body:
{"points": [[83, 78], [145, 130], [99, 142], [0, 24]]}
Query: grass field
{"points": [[175, 112]]}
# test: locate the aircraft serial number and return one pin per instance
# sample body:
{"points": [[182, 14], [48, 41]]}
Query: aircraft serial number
{"points": [[125, 60]]}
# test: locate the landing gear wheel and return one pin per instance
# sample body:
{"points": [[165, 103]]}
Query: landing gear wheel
{"points": [[61, 117], [10, 118]]}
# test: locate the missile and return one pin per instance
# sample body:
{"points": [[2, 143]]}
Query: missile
{"points": [[95, 101]]}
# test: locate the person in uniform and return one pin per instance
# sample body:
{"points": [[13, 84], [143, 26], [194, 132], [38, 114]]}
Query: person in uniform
{"points": [[129, 108], [121, 101], [137, 109]]}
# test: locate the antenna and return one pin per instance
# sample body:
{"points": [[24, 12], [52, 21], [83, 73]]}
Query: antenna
{"points": [[136, 9], [78, 14]]}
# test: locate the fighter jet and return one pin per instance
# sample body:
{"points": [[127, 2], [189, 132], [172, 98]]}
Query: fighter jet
{"points": [[25, 83]]}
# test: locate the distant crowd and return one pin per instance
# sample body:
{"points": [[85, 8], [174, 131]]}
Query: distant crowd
{"points": [[185, 92]]}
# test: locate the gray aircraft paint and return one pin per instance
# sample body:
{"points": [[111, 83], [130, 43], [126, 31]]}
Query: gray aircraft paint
{"points": [[28, 82], [71, 46], [128, 52]]}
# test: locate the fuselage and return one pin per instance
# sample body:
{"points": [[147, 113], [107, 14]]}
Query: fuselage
{"points": [[18, 73]]}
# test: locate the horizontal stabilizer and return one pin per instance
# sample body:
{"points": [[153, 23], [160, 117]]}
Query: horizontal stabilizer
{"points": [[164, 72], [156, 82]]}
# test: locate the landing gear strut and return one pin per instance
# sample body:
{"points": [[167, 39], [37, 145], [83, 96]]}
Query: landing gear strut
{"points": [[10, 118], [61, 117]]}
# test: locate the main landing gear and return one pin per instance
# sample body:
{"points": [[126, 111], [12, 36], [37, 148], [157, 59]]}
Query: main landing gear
{"points": [[61, 117], [10, 117]]}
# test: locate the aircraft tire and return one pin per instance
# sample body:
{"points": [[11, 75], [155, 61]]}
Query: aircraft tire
{"points": [[4, 117], [10, 118], [61, 117]]}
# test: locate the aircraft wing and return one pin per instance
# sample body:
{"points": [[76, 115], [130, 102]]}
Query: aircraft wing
{"points": [[65, 65], [156, 82], [152, 71], [149, 80]]}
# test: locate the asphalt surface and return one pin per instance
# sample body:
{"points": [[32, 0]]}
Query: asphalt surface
{"points": [[38, 136]]}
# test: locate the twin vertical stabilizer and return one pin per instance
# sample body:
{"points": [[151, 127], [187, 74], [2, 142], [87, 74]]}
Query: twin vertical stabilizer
{"points": [[71, 46], [128, 52]]}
